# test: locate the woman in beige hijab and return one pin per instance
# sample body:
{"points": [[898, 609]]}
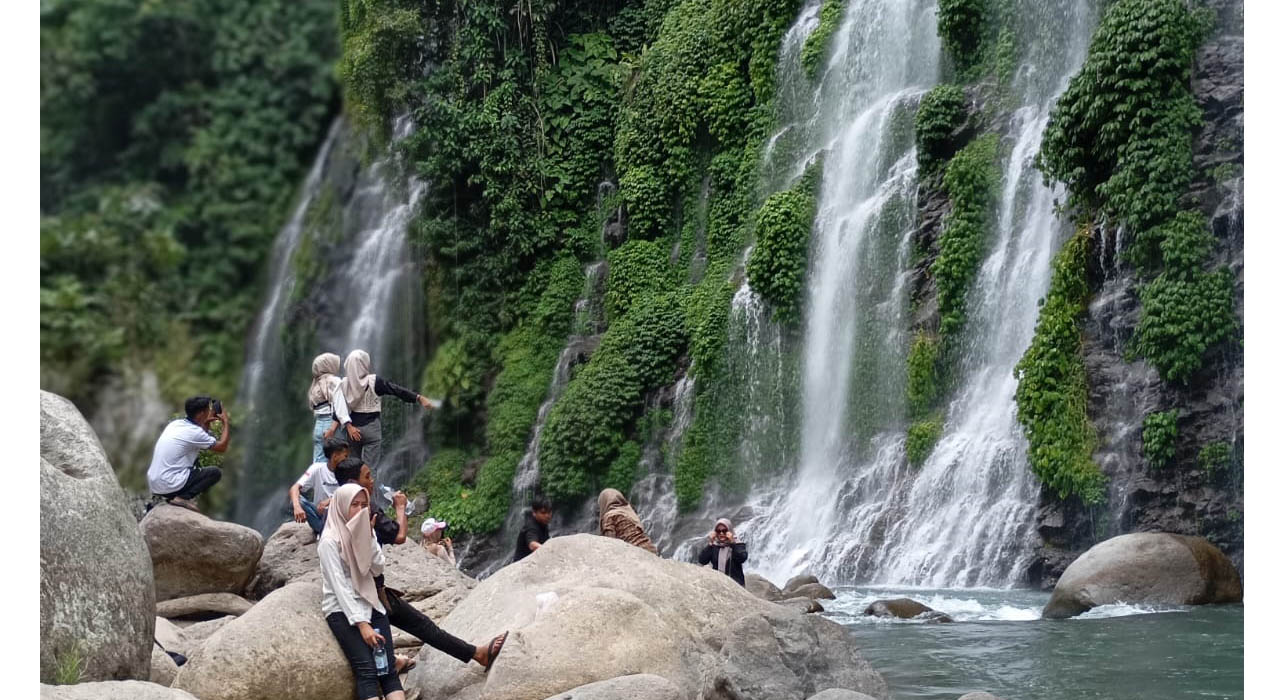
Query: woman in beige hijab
{"points": [[349, 559], [324, 379], [619, 521], [360, 414]]}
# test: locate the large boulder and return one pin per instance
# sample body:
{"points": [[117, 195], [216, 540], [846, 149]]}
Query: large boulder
{"points": [[194, 554], [797, 581], [585, 608], [906, 609], [639, 686], [428, 583], [1146, 567], [97, 598], [194, 635], [840, 694], [763, 588], [811, 590], [163, 667], [281, 649], [113, 690], [204, 604]]}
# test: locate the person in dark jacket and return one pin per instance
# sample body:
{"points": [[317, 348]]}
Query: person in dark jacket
{"points": [[357, 406], [400, 614], [724, 552], [534, 532]]}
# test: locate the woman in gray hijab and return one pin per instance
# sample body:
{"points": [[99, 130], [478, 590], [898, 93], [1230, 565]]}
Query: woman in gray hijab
{"points": [[358, 407], [724, 552]]}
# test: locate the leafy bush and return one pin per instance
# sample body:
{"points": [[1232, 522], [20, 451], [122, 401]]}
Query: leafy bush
{"points": [[815, 46], [636, 269], [1214, 456], [960, 26], [922, 375], [970, 181], [781, 253], [1052, 396], [921, 438], [942, 110], [1181, 319], [1159, 435]]}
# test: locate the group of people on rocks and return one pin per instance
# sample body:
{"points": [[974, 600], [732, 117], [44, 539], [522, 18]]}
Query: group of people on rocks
{"points": [[334, 496]]}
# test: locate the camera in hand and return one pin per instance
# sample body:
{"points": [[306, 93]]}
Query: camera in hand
{"points": [[217, 407]]}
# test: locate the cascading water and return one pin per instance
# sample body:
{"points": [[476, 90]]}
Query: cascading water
{"points": [[351, 223], [853, 509]]}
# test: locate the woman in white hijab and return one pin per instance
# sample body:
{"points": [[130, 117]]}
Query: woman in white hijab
{"points": [[322, 397], [349, 559], [361, 393]]}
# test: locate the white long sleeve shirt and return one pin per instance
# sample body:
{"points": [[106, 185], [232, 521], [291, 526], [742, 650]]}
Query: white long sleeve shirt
{"points": [[338, 593], [337, 404]]}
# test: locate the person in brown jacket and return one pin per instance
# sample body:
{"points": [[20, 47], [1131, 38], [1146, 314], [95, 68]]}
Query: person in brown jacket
{"points": [[619, 521]]}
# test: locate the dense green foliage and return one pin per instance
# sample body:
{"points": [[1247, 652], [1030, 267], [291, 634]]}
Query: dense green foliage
{"points": [[960, 26], [815, 47], [922, 375], [1159, 437], [1052, 396], [942, 110], [781, 253], [1214, 456], [167, 166], [971, 180], [921, 437]]}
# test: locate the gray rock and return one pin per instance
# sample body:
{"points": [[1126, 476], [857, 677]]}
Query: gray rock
{"points": [[96, 590], [637, 614], [797, 581], [204, 603], [195, 634], [113, 690], [761, 587], [280, 649], [169, 635], [905, 608], [811, 590], [639, 686], [194, 554], [163, 668], [979, 695], [840, 694], [1145, 567], [289, 555], [802, 604]]}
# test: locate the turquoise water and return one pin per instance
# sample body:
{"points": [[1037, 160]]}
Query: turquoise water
{"points": [[999, 644]]}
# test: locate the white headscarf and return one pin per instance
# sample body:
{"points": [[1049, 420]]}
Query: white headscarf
{"points": [[355, 540], [323, 369], [722, 560], [357, 387]]}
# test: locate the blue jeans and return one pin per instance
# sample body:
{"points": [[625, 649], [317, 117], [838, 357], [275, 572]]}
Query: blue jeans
{"points": [[323, 422], [314, 519]]}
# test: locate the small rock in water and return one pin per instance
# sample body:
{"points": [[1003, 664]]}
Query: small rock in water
{"points": [[797, 581], [840, 694], [761, 587], [979, 695], [906, 609], [811, 590]]}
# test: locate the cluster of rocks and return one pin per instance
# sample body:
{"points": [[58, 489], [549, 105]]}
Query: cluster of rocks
{"points": [[590, 618]]}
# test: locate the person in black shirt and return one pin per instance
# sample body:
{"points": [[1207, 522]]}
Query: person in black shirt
{"points": [[724, 552], [534, 533], [400, 613]]}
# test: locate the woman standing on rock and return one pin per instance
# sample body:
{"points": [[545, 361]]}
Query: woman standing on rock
{"points": [[619, 521], [349, 559], [322, 397], [724, 552], [361, 393]]}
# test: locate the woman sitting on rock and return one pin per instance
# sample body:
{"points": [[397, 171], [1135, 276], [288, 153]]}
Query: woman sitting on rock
{"points": [[619, 521], [432, 532], [349, 559], [724, 552]]}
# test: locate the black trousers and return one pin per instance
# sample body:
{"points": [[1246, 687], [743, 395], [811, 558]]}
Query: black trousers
{"points": [[199, 481], [413, 621], [368, 683]]}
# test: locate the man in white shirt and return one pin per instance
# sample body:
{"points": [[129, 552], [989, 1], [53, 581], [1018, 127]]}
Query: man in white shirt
{"points": [[173, 473], [320, 482]]}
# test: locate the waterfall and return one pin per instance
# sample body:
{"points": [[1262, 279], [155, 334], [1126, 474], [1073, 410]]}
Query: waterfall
{"points": [[853, 510], [342, 277]]}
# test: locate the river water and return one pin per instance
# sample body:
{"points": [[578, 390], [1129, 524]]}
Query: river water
{"points": [[998, 644]]}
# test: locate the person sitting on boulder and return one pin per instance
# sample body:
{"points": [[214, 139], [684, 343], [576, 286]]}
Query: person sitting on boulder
{"points": [[724, 552], [357, 406], [320, 481], [534, 533], [408, 618], [173, 474], [619, 521], [434, 542]]}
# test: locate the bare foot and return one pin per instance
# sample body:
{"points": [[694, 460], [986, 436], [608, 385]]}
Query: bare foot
{"points": [[486, 655], [404, 664]]}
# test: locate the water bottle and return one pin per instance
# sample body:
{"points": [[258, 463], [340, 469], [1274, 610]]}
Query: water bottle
{"points": [[388, 492], [380, 659]]}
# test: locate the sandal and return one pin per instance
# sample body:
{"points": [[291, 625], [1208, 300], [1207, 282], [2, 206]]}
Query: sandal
{"points": [[499, 642], [409, 663]]}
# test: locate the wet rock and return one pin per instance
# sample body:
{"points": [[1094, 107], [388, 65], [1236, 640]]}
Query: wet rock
{"points": [[840, 694], [811, 590], [113, 690], [639, 686], [192, 553], [97, 597], [797, 581], [1150, 568], [205, 604], [802, 604], [979, 695], [906, 609], [762, 588]]}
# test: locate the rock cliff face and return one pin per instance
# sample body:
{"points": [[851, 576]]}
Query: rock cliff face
{"points": [[1181, 497]]}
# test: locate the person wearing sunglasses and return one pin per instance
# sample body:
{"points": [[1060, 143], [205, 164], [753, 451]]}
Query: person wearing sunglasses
{"points": [[724, 552]]}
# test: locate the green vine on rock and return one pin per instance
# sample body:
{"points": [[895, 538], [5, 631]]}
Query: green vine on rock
{"points": [[1159, 435], [971, 180], [781, 253], [817, 43], [943, 110]]}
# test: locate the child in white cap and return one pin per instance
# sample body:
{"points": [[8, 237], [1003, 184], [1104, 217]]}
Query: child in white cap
{"points": [[432, 531]]}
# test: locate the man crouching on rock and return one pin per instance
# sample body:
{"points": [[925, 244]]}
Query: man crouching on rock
{"points": [[408, 618], [173, 474]]}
